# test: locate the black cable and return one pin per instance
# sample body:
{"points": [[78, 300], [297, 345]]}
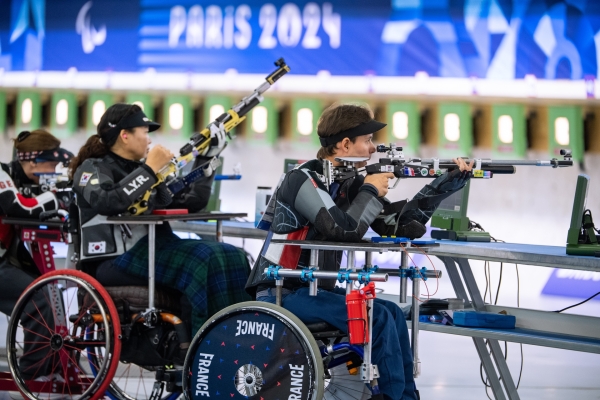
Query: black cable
{"points": [[578, 304], [499, 284], [485, 264]]}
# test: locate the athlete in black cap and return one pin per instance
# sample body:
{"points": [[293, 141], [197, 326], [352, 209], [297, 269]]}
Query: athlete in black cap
{"points": [[108, 177], [307, 209]]}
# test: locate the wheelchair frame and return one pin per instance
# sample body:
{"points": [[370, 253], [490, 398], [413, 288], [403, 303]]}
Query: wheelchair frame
{"points": [[40, 240]]}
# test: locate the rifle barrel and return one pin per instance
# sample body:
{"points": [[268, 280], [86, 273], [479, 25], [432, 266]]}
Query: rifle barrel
{"points": [[496, 169], [489, 162]]}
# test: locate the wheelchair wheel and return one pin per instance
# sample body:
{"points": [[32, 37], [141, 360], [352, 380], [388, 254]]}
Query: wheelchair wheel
{"points": [[133, 382], [253, 350], [52, 336]]}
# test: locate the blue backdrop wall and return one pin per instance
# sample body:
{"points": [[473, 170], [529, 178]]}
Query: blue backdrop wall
{"points": [[495, 39]]}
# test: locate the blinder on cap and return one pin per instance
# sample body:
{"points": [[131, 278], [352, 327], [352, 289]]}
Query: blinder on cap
{"points": [[367, 128]]}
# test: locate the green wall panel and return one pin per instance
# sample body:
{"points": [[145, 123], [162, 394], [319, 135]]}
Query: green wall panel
{"points": [[509, 136], [305, 114], [28, 117], [568, 120], [97, 103], [178, 116], [404, 125], [262, 125], [454, 127], [63, 114]]}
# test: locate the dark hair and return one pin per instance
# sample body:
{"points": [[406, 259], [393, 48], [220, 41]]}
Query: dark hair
{"points": [[337, 118], [37, 140], [99, 145]]}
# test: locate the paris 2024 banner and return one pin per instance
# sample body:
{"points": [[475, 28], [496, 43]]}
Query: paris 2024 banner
{"points": [[485, 39]]}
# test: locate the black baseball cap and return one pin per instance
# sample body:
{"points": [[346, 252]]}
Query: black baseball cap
{"points": [[128, 122]]}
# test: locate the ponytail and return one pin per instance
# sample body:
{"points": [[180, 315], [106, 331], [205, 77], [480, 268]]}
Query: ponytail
{"points": [[93, 148]]}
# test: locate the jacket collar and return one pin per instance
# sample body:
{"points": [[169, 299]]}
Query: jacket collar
{"points": [[128, 165]]}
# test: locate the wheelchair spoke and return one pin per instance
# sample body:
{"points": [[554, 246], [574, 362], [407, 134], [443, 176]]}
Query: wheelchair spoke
{"points": [[66, 345], [42, 317]]}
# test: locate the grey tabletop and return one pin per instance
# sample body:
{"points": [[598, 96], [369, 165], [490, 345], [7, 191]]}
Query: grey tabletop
{"points": [[35, 222], [201, 216], [243, 229], [321, 245], [529, 254]]}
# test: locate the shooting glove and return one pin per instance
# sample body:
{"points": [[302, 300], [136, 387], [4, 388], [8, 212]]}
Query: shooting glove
{"points": [[218, 140], [452, 181]]}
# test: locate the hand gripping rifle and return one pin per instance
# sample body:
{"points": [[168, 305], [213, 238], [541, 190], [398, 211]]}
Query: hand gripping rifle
{"points": [[208, 143], [430, 167]]}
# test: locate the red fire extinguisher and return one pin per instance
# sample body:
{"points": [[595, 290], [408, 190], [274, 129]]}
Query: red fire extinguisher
{"points": [[358, 323]]}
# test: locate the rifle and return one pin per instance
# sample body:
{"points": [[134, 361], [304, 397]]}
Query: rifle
{"points": [[403, 168], [209, 143]]}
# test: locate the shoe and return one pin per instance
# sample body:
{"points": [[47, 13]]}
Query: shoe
{"points": [[44, 396]]}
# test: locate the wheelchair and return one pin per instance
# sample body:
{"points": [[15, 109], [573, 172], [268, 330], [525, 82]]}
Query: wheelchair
{"points": [[260, 350], [106, 342], [94, 341]]}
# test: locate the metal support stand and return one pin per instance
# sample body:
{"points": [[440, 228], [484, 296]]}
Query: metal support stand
{"points": [[350, 266], [414, 333], [278, 290], [369, 371], [479, 305], [219, 230], [403, 278], [314, 263], [368, 260], [151, 266], [417, 275], [496, 369]]}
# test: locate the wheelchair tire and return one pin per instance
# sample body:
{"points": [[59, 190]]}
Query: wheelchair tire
{"points": [[253, 350], [57, 351], [133, 382]]}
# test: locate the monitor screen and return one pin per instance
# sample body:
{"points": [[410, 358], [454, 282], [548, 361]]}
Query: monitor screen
{"points": [[454, 206]]}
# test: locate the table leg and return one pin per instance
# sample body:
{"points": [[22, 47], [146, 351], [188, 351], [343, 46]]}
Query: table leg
{"points": [[414, 333], [455, 279], [151, 266], [478, 304], [350, 266], [403, 279], [488, 366], [219, 230]]}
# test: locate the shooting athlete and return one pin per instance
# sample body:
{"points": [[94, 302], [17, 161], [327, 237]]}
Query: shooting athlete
{"points": [[108, 177], [38, 152], [344, 213]]}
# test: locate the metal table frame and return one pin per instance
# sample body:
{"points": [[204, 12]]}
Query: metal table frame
{"points": [[456, 255], [369, 249]]}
